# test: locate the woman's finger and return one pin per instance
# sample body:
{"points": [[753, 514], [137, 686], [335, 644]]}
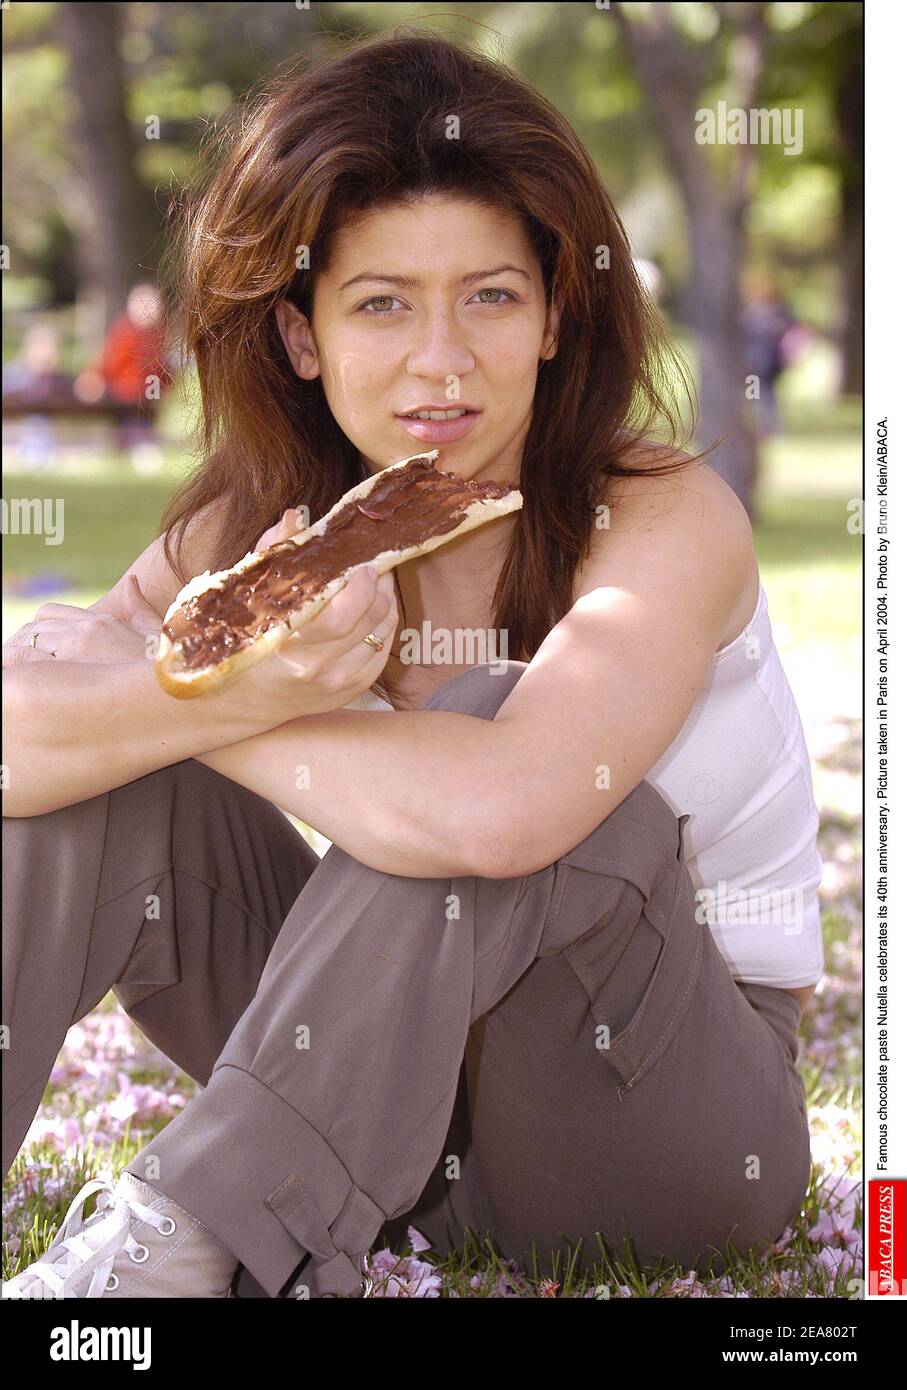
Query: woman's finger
{"points": [[362, 660], [379, 618], [317, 639], [18, 653], [383, 599], [343, 611], [139, 611], [58, 610], [288, 525]]}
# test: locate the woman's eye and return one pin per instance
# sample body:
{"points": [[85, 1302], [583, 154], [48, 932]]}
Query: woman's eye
{"points": [[378, 299], [381, 305], [493, 304]]}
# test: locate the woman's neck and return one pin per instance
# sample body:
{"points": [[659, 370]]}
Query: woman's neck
{"points": [[454, 586]]}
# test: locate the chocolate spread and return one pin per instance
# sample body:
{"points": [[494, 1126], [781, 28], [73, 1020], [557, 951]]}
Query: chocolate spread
{"points": [[404, 509]]}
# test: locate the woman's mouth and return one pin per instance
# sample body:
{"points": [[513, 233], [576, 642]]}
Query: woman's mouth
{"points": [[439, 426]]}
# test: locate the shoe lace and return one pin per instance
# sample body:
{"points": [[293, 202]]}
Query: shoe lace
{"points": [[71, 1253]]}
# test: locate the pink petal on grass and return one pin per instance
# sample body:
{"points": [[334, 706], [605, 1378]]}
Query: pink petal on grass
{"points": [[402, 1276]]}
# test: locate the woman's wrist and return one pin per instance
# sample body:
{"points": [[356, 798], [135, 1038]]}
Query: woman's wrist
{"points": [[222, 713]]}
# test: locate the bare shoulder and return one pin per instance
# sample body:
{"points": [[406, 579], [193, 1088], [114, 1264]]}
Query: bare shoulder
{"points": [[689, 523], [692, 488]]}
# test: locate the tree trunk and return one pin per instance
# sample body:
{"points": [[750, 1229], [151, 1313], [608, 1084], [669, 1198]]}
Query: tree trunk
{"points": [[672, 79], [117, 249], [849, 111], [713, 312], [852, 334]]}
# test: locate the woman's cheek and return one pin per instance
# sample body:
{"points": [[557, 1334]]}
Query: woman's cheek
{"points": [[351, 383], [512, 353]]}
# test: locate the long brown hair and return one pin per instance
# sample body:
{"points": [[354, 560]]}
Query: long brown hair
{"points": [[369, 128]]}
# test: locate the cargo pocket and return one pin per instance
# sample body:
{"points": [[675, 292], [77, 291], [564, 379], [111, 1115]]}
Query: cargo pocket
{"points": [[649, 941]]}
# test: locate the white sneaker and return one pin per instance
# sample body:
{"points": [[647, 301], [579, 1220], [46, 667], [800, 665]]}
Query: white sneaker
{"points": [[177, 1257]]}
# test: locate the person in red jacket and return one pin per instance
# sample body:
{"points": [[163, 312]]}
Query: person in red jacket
{"points": [[132, 367]]}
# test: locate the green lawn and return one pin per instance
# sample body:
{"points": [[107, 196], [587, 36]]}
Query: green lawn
{"points": [[109, 519]]}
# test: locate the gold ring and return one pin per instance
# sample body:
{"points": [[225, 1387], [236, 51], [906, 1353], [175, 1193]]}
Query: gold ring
{"points": [[374, 641], [33, 642]]}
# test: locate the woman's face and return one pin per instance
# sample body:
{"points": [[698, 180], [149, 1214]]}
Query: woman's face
{"points": [[438, 304]]}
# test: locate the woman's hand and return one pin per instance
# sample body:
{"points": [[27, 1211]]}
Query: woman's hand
{"points": [[65, 632], [328, 662]]}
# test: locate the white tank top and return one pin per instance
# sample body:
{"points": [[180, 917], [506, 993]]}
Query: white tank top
{"points": [[739, 770]]}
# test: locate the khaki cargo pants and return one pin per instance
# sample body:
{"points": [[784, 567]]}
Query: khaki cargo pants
{"points": [[545, 1059]]}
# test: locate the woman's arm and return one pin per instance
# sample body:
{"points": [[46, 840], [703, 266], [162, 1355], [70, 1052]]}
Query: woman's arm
{"points": [[397, 791], [93, 717], [74, 729], [432, 793]]}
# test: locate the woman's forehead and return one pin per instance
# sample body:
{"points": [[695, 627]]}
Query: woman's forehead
{"points": [[446, 235]]}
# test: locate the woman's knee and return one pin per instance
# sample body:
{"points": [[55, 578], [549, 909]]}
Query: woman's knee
{"points": [[647, 811], [480, 691], [181, 793]]}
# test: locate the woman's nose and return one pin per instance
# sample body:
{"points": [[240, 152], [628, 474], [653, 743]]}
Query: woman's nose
{"points": [[439, 348]]}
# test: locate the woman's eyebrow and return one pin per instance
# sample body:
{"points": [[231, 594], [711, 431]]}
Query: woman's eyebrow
{"points": [[408, 282]]}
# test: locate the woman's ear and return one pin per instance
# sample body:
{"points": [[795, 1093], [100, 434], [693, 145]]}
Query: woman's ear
{"points": [[297, 339], [549, 345]]}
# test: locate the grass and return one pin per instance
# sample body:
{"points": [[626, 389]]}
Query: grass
{"points": [[810, 565], [109, 519]]}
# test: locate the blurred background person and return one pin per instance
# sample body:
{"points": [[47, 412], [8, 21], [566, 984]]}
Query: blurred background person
{"points": [[772, 340], [34, 379], [132, 367]]}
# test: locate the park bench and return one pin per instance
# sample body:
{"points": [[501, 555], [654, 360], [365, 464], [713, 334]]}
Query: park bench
{"points": [[17, 404]]}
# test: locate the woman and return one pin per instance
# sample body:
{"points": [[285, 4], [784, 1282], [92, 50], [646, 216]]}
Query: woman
{"points": [[508, 999]]}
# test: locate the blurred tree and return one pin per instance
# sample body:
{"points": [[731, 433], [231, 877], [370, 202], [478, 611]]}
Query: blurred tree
{"points": [[849, 102], [816, 58], [100, 71], [689, 58], [126, 221], [674, 71], [57, 259]]}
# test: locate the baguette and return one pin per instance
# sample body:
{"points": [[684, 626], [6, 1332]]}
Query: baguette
{"points": [[221, 624]]}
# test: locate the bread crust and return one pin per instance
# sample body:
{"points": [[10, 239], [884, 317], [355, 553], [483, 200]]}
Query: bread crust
{"points": [[188, 684]]}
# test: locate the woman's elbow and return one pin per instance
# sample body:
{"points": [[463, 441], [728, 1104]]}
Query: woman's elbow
{"points": [[514, 846], [507, 851]]}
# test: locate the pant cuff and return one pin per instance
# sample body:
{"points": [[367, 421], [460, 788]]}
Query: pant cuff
{"points": [[252, 1170]]}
